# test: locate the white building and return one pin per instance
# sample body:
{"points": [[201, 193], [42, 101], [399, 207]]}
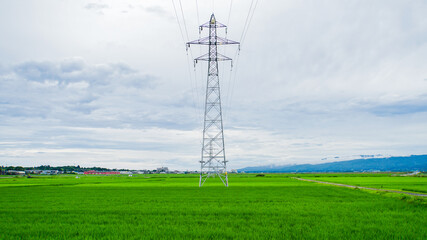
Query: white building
{"points": [[163, 170]]}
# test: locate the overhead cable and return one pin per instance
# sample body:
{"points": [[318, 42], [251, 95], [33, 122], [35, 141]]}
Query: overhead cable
{"points": [[250, 20], [246, 21]]}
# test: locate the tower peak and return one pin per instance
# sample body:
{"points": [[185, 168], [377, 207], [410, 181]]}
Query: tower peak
{"points": [[213, 20]]}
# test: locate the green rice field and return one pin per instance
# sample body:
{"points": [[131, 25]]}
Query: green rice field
{"points": [[274, 206], [398, 182]]}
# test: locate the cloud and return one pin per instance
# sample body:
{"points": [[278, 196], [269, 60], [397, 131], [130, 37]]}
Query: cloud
{"points": [[62, 88], [96, 6], [156, 10], [314, 80], [402, 107], [72, 65], [75, 69], [36, 71], [80, 112]]}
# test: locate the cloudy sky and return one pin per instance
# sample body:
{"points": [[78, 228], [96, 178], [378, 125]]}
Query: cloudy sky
{"points": [[109, 83]]}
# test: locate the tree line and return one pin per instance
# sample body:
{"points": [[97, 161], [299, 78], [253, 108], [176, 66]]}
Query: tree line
{"points": [[60, 168]]}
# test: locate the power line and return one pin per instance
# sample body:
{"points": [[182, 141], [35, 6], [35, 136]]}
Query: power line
{"points": [[198, 91], [200, 48], [188, 65], [197, 10], [233, 81], [246, 21], [250, 20], [225, 53], [229, 12], [177, 19], [183, 19], [188, 60]]}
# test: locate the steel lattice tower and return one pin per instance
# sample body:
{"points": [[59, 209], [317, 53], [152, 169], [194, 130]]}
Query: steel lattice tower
{"points": [[213, 161]]}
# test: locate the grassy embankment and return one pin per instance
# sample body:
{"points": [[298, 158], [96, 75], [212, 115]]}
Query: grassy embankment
{"points": [[172, 206]]}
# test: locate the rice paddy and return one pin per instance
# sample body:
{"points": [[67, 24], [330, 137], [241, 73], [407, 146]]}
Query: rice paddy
{"points": [[390, 181], [275, 206]]}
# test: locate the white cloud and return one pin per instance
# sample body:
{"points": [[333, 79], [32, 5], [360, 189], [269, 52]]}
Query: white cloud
{"points": [[314, 80], [98, 7]]}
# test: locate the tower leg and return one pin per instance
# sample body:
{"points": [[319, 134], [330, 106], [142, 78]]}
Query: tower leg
{"points": [[200, 180]]}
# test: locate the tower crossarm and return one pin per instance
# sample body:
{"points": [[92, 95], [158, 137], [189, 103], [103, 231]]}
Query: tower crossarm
{"points": [[210, 41], [212, 23], [205, 57]]}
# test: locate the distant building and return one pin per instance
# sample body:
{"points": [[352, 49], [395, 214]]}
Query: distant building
{"points": [[32, 171], [411, 174], [14, 172], [93, 172], [145, 171], [49, 172], [163, 170]]}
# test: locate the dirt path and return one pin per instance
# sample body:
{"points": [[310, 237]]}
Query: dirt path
{"points": [[351, 186]]}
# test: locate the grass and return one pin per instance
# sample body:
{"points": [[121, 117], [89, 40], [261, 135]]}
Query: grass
{"points": [[172, 206], [385, 181]]}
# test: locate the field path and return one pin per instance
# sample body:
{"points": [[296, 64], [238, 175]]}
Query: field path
{"points": [[351, 186]]}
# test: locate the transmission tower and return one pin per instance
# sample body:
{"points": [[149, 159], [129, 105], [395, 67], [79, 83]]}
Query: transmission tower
{"points": [[213, 162]]}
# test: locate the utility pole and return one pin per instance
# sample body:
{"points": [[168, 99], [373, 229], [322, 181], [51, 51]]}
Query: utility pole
{"points": [[213, 161]]}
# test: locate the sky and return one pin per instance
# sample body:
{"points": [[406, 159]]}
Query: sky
{"points": [[111, 84]]}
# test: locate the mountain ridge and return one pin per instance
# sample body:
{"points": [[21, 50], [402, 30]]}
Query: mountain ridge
{"points": [[393, 163]]}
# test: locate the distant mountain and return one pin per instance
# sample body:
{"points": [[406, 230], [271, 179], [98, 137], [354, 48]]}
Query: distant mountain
{"points": [[409, 163]]}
